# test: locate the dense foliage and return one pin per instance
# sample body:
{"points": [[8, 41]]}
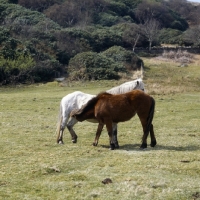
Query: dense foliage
{"points": [[44, 39]]}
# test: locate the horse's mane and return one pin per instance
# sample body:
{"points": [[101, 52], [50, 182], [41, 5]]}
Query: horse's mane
{"points": [[126, 87]]}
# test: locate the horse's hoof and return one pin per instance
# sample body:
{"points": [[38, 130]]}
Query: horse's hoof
{"points": [[117, 146], [74, 141], [143, 146], [94, 144], [153, 143], [112, 146], [60, 142]]}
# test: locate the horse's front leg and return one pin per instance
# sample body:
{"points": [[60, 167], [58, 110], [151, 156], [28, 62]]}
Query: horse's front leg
{"points": [[72, 121], [98, 133], [109, 127], [114, 125]]}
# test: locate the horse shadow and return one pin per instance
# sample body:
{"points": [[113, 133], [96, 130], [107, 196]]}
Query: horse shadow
{"points": [[136, 147]]}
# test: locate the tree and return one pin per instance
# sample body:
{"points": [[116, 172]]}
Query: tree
{"points": [[150, 30], [167, 16], [194, 15], [132, 35], [67, 14], [192, 36]]}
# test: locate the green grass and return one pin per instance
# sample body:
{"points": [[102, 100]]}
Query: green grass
{"points": [[34, 167]]}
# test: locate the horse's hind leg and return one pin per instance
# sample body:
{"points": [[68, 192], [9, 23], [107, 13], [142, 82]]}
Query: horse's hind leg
{"points": [[109, 127], [145, 133], [72, 121], [98, 133], [60, 137], [153, 138], [61, 129], [115, 135]]}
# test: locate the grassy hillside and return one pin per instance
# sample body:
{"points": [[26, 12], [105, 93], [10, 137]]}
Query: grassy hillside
{"points": [[171, 77], [33, 166]]}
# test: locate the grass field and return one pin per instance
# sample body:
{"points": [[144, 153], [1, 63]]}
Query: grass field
{"points": [[34, 167]]}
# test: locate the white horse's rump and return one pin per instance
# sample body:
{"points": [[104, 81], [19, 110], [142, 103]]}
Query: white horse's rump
{"points": [[77, 99]]}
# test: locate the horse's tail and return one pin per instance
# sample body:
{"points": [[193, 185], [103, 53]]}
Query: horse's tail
{"points": [[60, 118], [150, 117]]}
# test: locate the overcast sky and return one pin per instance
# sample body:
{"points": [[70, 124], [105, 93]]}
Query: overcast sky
{"points": [[195, 0]]}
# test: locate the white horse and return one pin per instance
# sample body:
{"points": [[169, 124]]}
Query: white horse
{"points": [[77, 99]]}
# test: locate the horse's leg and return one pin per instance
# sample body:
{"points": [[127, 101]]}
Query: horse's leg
{"points": [[98, 133], [109, 127], [153, 138], [72, 121], [60, 137], [146, 121], [115, 136], [145, 132], [61, 130]]}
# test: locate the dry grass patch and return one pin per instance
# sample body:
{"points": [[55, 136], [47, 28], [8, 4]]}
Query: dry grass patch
{"points": [[167, 77]]}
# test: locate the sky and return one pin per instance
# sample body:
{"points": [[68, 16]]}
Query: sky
{"points": [[194, 0]]}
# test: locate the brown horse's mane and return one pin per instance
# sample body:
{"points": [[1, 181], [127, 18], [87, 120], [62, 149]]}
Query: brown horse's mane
{"points": [[90, 104]]}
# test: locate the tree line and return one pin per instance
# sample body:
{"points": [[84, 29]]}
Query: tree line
{"points": [[88, 39]]}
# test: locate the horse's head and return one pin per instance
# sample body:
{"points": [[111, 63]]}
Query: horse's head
{"points": [[139, 84]]}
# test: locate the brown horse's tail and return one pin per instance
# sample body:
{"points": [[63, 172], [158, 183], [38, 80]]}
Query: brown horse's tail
{"points": [[150, 117], [60, 118]]}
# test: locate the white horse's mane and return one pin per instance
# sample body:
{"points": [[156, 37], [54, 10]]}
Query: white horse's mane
{"points": [[127, 87]]}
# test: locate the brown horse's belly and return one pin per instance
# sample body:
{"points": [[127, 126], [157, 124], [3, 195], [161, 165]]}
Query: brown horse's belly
{"points": [[122, 117], [92, 120]]}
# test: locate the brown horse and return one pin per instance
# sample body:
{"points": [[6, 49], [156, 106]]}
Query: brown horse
{"points": [[108, 109]]}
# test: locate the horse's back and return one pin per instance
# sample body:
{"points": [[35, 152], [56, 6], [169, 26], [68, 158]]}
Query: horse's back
{"points": [[122, 107], [127, 86], [116, 107], [75, 100]]}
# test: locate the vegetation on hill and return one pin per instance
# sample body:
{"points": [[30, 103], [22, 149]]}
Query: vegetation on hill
{"points": [[44, 39]]}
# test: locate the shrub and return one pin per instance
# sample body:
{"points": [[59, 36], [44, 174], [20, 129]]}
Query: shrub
{"points": [[170, 36], [104, 38], [106, 19], [93, 66], [121, 55], [15, 70], [45, 71], [106, 65]]}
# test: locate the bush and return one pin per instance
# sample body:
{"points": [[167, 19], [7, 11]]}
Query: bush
{"points": [[15, 70], [121, 55], [106, 19], [170, 36], [105, 38], [93, 66], [106, 65], [45, 71]]}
